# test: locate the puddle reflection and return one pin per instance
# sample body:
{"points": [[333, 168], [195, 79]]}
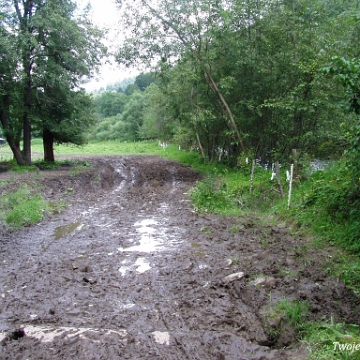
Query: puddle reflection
{"points": [[64, 230], [141, 265], [152, 238]]}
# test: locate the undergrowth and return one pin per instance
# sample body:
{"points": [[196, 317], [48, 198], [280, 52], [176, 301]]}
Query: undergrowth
{"points": [[324, 340]]}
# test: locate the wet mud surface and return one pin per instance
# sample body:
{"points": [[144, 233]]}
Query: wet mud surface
{"points": [[130, 271]]}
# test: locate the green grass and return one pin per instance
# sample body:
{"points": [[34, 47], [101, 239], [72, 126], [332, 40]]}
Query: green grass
{"points": [[331, 341], [323, 340], [227, 191], [22, 207], [25, 206]]}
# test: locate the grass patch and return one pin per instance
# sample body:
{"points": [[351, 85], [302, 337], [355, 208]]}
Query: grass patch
{"points": [[331, 341], [24, 207], [23, 169], [324, 340], [227, 191]]}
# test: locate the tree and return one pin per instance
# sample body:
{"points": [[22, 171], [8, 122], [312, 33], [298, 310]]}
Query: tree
{"points": [[252, 65], [110, 103], [8, 87], [144, 80], [347, 72], [169, 29], [56, 51]]}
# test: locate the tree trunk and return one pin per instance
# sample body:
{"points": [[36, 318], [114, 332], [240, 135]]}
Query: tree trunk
{"points": [[216, 90], [9, 138], [48, 140], [26, 119]]}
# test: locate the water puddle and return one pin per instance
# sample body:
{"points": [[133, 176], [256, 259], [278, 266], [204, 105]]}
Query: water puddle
{"points": [[48, 334], [141, 265], [203, 266], [152, 237], [162, 337], [64, 230], [195, 245], [148, 242], [125, 305]]}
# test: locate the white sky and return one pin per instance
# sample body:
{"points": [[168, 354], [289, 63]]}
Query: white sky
{"points": [[105, 14]]}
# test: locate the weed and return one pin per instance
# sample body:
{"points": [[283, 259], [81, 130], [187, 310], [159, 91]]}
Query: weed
{"points": [[294, 312], [284, 314], [206, 230], [3, 183], [264, 243]]}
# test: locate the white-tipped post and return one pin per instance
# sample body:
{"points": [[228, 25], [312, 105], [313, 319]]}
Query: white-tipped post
{"points": [[290, 185]]}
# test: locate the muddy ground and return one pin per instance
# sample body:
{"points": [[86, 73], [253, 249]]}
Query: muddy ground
{"points": [[130, 271]]}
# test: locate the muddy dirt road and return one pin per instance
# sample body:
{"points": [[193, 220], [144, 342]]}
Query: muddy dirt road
{"points": [[130, 271]]}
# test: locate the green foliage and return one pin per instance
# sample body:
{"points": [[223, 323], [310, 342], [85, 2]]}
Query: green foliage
{"points": [[348, 74], [22, 207], [227, 191], [23, 169], [322, 337], [330, 205], [48, 165], [126, 124], [211, 195], [144, 80], [52, 49], [294, 312], [110, 103], [265, 60]]}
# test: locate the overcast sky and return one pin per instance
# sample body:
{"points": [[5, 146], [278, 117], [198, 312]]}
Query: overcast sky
{"points": [[105, 14]]}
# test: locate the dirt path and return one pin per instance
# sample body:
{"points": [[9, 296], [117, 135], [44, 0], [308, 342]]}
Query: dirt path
{"points": [[130, 271]]}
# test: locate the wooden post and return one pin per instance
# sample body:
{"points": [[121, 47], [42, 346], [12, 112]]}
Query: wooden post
{"points": [[277, 169]]}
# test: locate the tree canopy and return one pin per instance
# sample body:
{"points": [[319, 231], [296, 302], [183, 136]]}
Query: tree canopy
{"points": [[48, 49], [245, 76]]}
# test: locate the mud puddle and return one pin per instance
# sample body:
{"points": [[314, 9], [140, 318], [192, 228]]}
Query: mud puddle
{"points": [[129, 271]]}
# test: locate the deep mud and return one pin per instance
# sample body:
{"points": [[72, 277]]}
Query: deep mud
{"points": [[130, 271]]}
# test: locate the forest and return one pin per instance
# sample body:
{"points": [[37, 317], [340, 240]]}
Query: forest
{"points": [[236, 78], [226, 78]]}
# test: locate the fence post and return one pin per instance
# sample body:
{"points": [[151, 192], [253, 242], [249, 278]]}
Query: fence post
{"points": [[252, 176], [290, 185], [277, 169]]}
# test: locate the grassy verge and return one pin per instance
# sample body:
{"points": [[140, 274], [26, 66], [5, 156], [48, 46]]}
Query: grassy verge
{"points": [[24, 206], [324, 340]]}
